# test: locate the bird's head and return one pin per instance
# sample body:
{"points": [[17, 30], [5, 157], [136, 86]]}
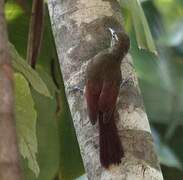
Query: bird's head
{"points": [[120, 40]]}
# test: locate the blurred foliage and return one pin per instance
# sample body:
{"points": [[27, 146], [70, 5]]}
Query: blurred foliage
{"points": [[139, 21], [171, 10], [161, 81]]}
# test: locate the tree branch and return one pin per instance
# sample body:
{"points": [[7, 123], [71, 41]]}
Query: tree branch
{"points": [[9, 158], [35, 32], [79, 35]]}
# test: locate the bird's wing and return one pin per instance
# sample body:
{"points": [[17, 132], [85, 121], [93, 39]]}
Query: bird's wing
{"points": [[92, 93], [108, 98]]}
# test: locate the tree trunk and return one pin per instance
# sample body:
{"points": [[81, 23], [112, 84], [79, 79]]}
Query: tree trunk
{"points": [[80, 30], [9, 159]]}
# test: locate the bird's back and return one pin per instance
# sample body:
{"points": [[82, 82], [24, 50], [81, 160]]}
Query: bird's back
{"points": [[103, 66]]}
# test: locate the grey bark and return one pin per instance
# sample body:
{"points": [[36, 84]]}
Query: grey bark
{"points": [[80, 31], [9, 158]]}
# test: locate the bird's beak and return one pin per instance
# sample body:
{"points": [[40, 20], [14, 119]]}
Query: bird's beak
{"points": [[114, 37], [111, 31]]}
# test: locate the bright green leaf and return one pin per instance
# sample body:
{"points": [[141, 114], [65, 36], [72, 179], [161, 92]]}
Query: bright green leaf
{"points": [[26, 122], [12, 11], [30, 74]]}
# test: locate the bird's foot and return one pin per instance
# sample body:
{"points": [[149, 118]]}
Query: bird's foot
{"points": [[127, 82], [75, 89]]}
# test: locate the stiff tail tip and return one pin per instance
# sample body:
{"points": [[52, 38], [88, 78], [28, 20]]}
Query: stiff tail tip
{"points": [[111, 151]]}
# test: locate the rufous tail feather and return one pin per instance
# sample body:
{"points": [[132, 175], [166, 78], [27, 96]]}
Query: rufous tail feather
{"points": [[111, 150]]}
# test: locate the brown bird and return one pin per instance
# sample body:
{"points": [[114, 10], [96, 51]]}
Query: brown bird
{"points": [[103, 79]]}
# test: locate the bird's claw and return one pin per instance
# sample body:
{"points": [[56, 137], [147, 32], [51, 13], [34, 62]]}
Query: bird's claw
{"points": [[75, 89], [126, 82]]}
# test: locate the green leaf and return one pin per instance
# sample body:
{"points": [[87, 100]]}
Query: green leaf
{"points": [[71, 165], [142, 31], [30, 74], [26, 122], [47, 79], [48, 136], [58, 152], [166, 155], [48, 155]]}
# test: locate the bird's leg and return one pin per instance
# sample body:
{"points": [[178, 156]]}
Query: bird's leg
{"points": [[75, 89], [127, 81]]}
